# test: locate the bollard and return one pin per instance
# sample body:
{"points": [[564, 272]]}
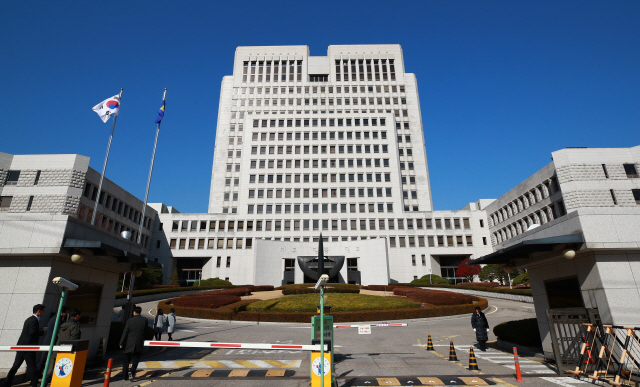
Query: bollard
{"points": [[473, 363], [107, 375], [430, 344], [452, 352], [518, 373]]}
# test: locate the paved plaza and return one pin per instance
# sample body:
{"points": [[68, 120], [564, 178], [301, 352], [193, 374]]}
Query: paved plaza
{"points": [[393, 356]]}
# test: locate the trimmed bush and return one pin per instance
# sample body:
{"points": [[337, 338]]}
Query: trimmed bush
{"points": [[524, 332], [522, 279], [261, 288], [147, 292], [481, 284], [215, 282], [208, 301], [434, 297], [339, 302], [308, 288], [520, 292], [383, 288], [430, 279], [236, 312]]}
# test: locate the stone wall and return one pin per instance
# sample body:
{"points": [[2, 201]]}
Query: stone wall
{"points": [[3, 176], [52, 177], [52, 204]]}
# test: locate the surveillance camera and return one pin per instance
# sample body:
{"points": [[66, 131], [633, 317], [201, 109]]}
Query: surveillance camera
{"points": [[63, 283], [322, 282]]}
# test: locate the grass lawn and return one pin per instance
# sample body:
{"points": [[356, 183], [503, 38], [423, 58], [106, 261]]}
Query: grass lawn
{"points": [[339, 302]]}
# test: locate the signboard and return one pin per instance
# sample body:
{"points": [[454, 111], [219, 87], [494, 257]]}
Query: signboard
{"points": [[364, 330], [315, 369]]}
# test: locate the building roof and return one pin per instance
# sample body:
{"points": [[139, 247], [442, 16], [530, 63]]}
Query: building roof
{"points": [[524, 248]]}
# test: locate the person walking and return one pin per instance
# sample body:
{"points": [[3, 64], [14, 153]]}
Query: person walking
{"points": [[481, 328], [71, 329], [159, 324], [47, 337], [29, 336], [171, 323], [132, 341]]}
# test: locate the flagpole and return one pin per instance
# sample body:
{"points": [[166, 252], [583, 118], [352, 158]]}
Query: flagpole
{"points": [[153, 157], [104, 167]]}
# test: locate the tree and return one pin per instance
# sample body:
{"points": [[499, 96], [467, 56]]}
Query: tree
{"points": [[175, 280], [150, 277], [496, 272], [467, 271]]}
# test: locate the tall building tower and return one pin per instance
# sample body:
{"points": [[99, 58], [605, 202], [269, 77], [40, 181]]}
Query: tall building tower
{"points": [[309, 144]]}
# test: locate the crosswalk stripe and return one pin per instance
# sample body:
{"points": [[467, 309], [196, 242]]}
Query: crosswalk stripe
{"points": [[247, 364], [268, 364], [284, 363]]}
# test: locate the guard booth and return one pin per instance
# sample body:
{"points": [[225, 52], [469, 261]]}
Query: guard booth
{"points": [[328, 355]]}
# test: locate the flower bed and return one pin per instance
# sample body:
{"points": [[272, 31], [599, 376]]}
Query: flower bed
{"points": [[237, 311], [308, 288], [339, 302], [209, 301], [434, 297]]}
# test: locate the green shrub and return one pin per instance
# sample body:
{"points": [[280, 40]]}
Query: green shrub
{"points": [[520, 292], [308, 288], [215, 282], [339, 302], [147, 292], [434, 297], [115, 333], [523, 332], [522, 279], [209, 301], [237, 312], [430, 279]]}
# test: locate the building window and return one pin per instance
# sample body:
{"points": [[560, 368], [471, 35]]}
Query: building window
{"points": [[629, 169], [228, 261], [413, 260], [613, 197], [12, 178], [30, 203], [5, 201], [218, 261], [636, 195], [35, 182]]}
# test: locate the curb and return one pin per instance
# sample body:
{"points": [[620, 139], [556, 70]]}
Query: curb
{"points": [[479, 293]]}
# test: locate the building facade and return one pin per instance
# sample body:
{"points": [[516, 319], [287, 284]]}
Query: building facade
{"points": [[46, 205], [308, 144], [575, 226]]}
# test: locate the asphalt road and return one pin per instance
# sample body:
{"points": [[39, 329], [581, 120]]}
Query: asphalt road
{"points": [[388, 356]]}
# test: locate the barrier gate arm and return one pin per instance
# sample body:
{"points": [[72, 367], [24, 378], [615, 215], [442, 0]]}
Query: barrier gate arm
{"points": [[195, 344], [368, 325], [36, 348]]}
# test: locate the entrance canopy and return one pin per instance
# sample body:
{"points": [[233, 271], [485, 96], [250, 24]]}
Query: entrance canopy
{"points": [[523, 249]]}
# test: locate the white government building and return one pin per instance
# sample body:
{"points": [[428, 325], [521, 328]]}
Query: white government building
{"points": [[310, 144]]}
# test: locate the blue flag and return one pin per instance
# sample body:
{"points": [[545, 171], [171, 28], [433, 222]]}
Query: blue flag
{"points": [[160, 113]]}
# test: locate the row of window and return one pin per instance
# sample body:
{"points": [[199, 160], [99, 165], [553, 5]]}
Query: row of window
{"points": [[373, 101], [358, 67], [542, 216], [254, 71], [115, 205], [12, 177], [314, 122], [526, 200], [394, 241], [327, 149], [230, 225], [317, 208], [333, 163], [319, 89], [324, 193], [111, 225], [318, 135]]}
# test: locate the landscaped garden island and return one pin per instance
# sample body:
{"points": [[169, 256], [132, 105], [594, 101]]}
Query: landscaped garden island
{"points": [[298, 303]]}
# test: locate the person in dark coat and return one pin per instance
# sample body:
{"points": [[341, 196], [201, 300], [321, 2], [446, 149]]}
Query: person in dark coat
{"points": [[29, 336], [481, 327], [132, 341], [71, 329], [47, 337]]}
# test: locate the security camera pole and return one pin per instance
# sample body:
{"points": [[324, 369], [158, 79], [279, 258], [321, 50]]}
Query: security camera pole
{"points": [[65, 285]]}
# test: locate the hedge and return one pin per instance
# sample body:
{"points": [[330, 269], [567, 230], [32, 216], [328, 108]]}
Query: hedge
{"points": [[147, 292], [524, 332], [430, 279], [434, 297], [521, 292], [238, 312], [480, 284], [209, 301], [308, 288]]}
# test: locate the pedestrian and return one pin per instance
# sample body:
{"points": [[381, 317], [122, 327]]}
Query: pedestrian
{"points": [[132, 341], [71, 329], [47, 337], [481, 328], [159, 324], [29, 336], [171, 323]]}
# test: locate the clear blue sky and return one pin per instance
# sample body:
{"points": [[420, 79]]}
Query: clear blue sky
{"points": [[502, 83]]}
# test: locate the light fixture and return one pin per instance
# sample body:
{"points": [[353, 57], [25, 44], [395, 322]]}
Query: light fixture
{"points": [[126, 234], [77, 258], [508, 269], [137, 272], [569, 253]]}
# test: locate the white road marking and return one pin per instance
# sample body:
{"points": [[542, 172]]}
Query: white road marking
{"points": [[565, 382], [185, 330]]}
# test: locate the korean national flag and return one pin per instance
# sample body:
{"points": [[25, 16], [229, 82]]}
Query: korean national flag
{"points": [[108, 108]]}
